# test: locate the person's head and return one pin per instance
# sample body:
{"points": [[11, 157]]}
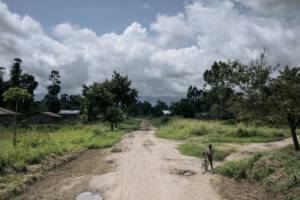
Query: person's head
{"points": [[210, 146]]}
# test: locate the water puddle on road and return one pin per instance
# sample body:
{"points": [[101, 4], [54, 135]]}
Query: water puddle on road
{"points": [[89, 196]]}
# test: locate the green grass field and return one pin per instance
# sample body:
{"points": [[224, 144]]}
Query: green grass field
{"points": [[218, 131], [41, 141]]}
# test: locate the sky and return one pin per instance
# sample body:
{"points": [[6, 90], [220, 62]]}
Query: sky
{"points": [[162, 45]]}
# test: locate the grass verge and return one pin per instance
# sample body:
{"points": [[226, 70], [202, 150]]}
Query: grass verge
{"points": [[39, 142], [277, 171]]}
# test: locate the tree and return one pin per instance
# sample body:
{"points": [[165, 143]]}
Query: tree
{"points": [[16, 73], [96, 99], [70, 102], [252, 81], [99, 96], [184, 107], [51, 99], [120, 86], [16, 95], [3, 85], [159, 107], [284, 103], [219, 80], [29, 83], [113, 114]]}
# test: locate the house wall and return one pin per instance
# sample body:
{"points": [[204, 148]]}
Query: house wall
{"points": [[44, 119], [6, 120], [68, 117]]}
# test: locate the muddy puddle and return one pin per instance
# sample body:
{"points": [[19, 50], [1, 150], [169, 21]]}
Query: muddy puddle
{"points": [[89, 196]]}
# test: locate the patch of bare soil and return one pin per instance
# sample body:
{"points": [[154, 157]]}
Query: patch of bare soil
{"points": [[71, 179]]}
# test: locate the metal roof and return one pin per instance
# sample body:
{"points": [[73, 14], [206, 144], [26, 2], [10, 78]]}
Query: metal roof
{"points": [[69, 112], [166, 112], [50, 114], [4, 111]]}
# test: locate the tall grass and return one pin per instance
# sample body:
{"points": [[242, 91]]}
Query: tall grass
{"points": [[219, 132], [39, 142], [277, 171]]}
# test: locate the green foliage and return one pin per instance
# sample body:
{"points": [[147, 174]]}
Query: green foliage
{"points": [[16, 95], [70, 102], [286, 99], [159, 107], [15, 73], [165, 120], [184, 108], [114, 115], [51, 99], [98, 97], [238, 169]]}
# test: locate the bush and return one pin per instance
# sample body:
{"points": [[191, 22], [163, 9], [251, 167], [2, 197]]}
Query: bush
{"points": [[201, 131], [230, 122], [242, 133], [238, 169], [165, 120]]}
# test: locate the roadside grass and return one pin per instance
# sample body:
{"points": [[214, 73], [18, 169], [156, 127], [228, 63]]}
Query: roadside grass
{"points": [[41, 141], [277, 171], [218, 131], [196, 149]]}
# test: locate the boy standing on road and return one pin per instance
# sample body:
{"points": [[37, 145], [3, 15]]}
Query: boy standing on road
{"points": [[209, 153]]}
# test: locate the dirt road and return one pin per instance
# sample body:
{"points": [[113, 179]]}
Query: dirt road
{"points": [[147, 168]]}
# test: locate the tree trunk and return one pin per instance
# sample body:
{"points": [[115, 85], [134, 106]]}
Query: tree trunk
{"points": [[295, 139], [112, 126], [116, 124], [15, 126], [293, 126]]}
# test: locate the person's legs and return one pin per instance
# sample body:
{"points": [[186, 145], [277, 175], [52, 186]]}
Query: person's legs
{"points": [[211, 163]]}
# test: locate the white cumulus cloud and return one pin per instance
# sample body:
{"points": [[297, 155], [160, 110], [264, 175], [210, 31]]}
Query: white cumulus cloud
{"points": [[162, 58]]}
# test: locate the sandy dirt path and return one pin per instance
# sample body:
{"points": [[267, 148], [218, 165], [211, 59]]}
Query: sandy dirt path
{"points": [[242, 151], [148, 170]]}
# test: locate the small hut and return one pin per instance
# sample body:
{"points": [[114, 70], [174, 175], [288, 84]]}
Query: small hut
{"points": [[46, 118]]}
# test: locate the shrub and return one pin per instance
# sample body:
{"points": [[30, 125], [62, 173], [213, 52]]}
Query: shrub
{"points": [[165, 120], [242, 133], [201, 131], [238, 169], [230, 122]]}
